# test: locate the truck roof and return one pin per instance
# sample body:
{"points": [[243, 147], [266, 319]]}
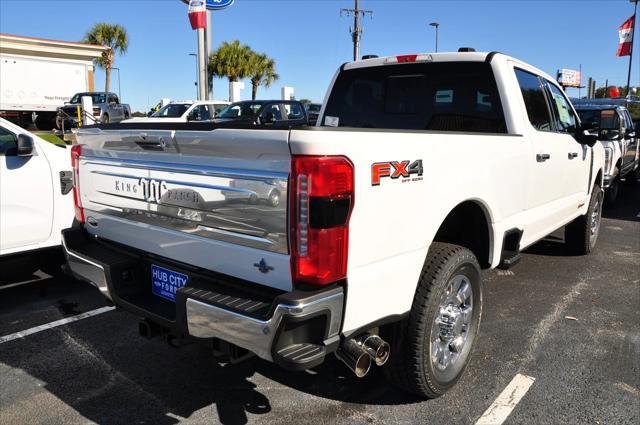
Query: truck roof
{"points": [[441, 57]]}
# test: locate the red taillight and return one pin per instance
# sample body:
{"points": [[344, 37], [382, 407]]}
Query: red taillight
{"points": [[321, 203], [406, 58], [76, 151]]}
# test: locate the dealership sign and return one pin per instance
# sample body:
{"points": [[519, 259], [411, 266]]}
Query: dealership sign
{"points": [[215, 4], [569, 77]]}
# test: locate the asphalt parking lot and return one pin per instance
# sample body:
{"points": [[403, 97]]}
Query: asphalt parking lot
{"points": [[572, 323]]}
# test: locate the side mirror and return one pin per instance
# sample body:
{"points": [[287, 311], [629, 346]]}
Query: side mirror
{"points": [[629, 134], [608, 134], [25, 145], [193, 117]]}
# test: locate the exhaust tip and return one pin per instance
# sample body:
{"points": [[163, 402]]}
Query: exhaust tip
{"points": [[377, 348], [356, 359], [363, 365]]}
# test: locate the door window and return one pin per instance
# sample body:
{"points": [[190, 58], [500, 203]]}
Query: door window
{"points": [[273, 109], [113, 99], [201, 113], [8, 142], [294, 111], [565, 119], [534, 100]]}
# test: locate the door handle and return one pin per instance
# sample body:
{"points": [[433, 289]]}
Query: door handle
{"points": [[542, 157], [573, 155]]}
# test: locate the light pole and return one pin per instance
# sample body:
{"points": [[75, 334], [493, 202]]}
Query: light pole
{"points": [[195, 55], [119, 95], [436, 25]]}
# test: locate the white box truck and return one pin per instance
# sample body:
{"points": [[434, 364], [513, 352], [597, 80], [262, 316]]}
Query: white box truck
{"points": [[37, 76]]}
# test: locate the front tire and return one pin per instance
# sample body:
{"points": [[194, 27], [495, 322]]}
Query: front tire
{"points": [[432, 347], [581, 234], [611, 193]]}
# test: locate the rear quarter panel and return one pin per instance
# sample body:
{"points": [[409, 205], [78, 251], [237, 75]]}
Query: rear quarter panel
{"points": [[393, 224]]}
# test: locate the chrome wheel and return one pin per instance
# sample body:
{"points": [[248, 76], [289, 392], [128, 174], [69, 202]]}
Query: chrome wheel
{"points": [[596, 214], [450, 329]]}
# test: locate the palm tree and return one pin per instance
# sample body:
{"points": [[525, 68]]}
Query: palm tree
{"points": [[263, 72], [230, 60], [112, 36]]}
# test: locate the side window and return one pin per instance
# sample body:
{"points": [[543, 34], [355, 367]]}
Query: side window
{"points": [[294, 111], [623, 121], [534, 100], [564, 117], [274, 109], [113, 99], [200, 113], [8, 142]]}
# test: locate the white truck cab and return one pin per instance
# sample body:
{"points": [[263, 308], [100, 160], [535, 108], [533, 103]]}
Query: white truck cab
{"points": [[35, 191], [184, 111], [422, 170]]}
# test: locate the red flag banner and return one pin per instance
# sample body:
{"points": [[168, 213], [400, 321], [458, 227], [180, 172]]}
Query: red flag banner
{"points": [[197, 14], [626, 37]]}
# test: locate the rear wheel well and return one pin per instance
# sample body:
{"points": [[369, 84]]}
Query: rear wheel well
{"points": [[468, 225]]}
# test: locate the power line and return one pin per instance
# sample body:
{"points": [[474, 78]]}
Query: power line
{"points": [[357, 30]]}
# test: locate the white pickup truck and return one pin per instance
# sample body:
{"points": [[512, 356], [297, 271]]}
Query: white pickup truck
{"points": [[35, 191], [422, 171]]}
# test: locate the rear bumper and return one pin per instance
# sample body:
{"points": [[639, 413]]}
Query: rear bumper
{"points": [[295, 330]]}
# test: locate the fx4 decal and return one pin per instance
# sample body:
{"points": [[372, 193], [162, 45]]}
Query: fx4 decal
{"points": [[396, 170]]}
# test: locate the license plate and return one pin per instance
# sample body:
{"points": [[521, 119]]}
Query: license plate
{"points": [[165, 282]]}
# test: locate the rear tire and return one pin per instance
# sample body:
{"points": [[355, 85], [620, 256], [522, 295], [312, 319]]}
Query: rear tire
{"points": [[581, 234], [431, 348]]}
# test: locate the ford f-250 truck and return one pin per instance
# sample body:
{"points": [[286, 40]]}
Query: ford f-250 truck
{"points": [[423, 170]]}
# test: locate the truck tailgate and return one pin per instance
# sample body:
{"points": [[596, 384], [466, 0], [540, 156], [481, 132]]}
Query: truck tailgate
{"points": [[211, 199]]}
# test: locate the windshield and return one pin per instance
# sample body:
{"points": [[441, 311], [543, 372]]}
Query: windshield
{"points": [[240, 110], [172, 110], [605, 119], [453, 96], [95, 97]]}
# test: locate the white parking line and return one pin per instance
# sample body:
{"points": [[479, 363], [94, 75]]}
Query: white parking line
{"points": [[55, 324], [501, 408]]}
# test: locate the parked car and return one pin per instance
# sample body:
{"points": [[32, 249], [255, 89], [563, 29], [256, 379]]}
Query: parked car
{"points": [[254, 191], [313, 110], [425, 170], [183, 111], [106, 109], [35, 191], [272, 113], [618, 136]]}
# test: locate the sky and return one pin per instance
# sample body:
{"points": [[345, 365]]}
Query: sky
{"points": [[309, 39]]}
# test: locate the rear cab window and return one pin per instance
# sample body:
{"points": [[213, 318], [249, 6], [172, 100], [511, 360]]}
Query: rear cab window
{"points": [[445, 96]]}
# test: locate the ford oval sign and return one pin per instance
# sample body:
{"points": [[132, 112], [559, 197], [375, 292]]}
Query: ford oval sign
{"points": [[218, 4], [215, 4]]}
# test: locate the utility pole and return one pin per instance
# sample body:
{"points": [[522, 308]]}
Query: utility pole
{"points": [[633, 39], [357, 30]]}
